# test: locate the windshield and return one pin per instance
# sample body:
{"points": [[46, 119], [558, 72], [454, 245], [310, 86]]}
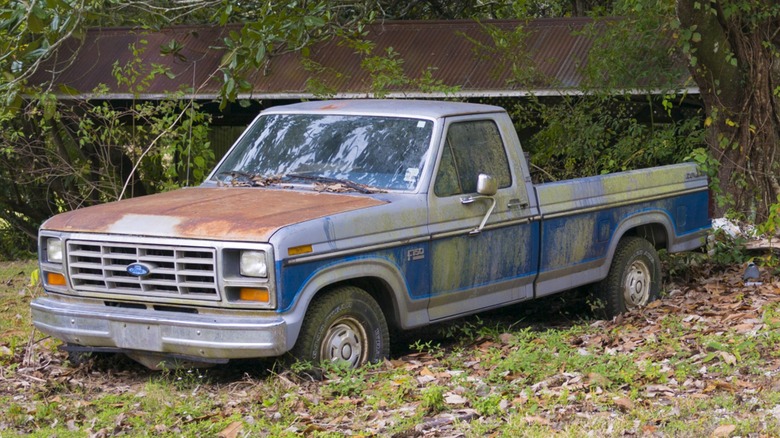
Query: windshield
{"points": [[377, 151]]}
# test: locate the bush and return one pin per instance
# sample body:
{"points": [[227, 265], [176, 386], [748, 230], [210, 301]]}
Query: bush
{"points": [[592, 135], [15, 245]]}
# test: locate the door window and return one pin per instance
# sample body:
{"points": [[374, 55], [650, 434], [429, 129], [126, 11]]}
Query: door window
{"points": [[471, 148]]}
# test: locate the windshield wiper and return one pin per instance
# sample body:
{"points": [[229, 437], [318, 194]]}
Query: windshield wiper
{"points": [[244, 179], [326, 179]]}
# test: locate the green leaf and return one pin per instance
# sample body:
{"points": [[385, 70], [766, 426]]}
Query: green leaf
{"points": [[230, 87], [312, 21], [35, 277], [67, 89], [260, 54], [35, 24]]}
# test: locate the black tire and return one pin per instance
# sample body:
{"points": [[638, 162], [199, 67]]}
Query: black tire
{"points": [[634, 279], [345, 324]]}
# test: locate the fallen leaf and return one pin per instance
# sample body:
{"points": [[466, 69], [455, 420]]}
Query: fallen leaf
{"points": [[728, 358], [395, 363], [659, 390], [454, 399], [725, 385], [724, 430], [649, 429], [422, 380], [535, 419], [597, 379], [232, 430], [624, 404], [744, 328], [426, 372]]}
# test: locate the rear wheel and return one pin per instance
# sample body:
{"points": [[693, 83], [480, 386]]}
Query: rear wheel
{"points": [[344, 325], [634, 279]]}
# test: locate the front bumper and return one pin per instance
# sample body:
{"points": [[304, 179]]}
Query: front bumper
{"points": [[208, 336]]}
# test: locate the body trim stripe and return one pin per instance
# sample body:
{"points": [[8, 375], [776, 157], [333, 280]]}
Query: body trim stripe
{"points": [[571, 211], [528, 219]]}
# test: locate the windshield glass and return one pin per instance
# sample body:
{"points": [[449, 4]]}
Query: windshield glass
{"points": [[377, 151]]}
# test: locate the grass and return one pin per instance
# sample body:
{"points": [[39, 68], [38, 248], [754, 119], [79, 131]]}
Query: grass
{"points": [[16, 291], [664, 371]]}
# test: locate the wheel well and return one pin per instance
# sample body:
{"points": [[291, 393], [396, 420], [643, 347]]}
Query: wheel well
{"points": [[654, 233], [379, 291]]}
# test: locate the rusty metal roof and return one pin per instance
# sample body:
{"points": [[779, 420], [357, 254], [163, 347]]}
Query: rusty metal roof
{"points": [[456, 53]]}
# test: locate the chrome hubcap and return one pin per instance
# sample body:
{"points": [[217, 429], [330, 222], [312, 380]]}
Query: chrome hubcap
{"points": [[346, 340], [636, 288]]}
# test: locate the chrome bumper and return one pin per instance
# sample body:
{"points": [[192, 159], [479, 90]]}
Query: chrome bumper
{"points": [[194, 335]]}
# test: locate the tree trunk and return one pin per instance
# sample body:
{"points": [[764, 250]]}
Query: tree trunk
{"points": [[734, 65]]}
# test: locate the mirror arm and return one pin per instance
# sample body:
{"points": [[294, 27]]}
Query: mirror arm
{"points": [[470, 199], [487, 186]]}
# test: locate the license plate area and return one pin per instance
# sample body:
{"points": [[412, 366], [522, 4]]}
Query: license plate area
{"points": [[134, 336]]}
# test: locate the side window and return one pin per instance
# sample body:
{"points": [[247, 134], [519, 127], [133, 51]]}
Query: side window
{"points": [[471, 148]]}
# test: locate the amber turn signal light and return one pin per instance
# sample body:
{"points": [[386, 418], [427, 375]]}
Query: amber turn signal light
{"points": [[55, 279], [254, 294], [298, 250]]}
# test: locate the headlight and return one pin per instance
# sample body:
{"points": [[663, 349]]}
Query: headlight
{"points": [[54, 250], [253, 264]]}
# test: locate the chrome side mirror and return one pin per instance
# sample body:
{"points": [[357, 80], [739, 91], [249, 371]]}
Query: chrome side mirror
{"points": [[486, 185]]}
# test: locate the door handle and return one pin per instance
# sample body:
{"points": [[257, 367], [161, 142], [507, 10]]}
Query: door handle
{"points": [[516, 203]]}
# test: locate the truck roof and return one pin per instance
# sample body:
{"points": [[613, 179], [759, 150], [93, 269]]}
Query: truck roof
{"points": [[387, 107]]}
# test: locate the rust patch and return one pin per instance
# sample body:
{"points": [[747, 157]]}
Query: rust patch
{"points": [[244, 214], [331, 107]]}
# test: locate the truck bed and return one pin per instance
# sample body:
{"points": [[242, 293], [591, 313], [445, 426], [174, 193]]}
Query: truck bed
{"points": [[581, 217]]}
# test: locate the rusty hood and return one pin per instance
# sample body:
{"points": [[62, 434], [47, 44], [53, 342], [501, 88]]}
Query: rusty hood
{"points": [[223, 213]]}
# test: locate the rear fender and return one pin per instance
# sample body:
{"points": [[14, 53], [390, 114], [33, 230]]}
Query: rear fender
{"points": [[630, 226]]}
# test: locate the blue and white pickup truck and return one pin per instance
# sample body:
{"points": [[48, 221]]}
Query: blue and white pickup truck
{"points": [[330, 224]]}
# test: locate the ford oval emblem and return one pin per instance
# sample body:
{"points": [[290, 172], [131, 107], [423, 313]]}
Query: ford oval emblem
{"points": [[138, 269]]}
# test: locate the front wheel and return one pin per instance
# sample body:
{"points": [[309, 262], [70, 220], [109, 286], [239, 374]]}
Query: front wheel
{"points": [[344, 325], [634, 279]]}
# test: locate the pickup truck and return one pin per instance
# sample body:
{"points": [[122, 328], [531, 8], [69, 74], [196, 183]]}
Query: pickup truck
{"points": [[329, 225]]}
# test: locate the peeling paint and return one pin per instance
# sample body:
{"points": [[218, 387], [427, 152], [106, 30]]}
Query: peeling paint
{"points": [[139, 224], [569, 240], [618, 188], [464, 262], [238, 214]]}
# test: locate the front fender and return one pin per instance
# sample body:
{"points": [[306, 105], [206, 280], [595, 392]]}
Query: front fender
{"points": [[408, 312]]}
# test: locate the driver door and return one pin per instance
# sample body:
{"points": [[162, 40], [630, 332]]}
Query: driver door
{"points": [[473, 269]]}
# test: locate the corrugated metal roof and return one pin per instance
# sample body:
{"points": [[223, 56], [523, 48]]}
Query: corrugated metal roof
{"points": [[457, 53]]}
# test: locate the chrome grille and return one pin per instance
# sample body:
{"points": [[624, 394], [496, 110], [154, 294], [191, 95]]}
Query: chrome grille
{"points": [[176, 272]]}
